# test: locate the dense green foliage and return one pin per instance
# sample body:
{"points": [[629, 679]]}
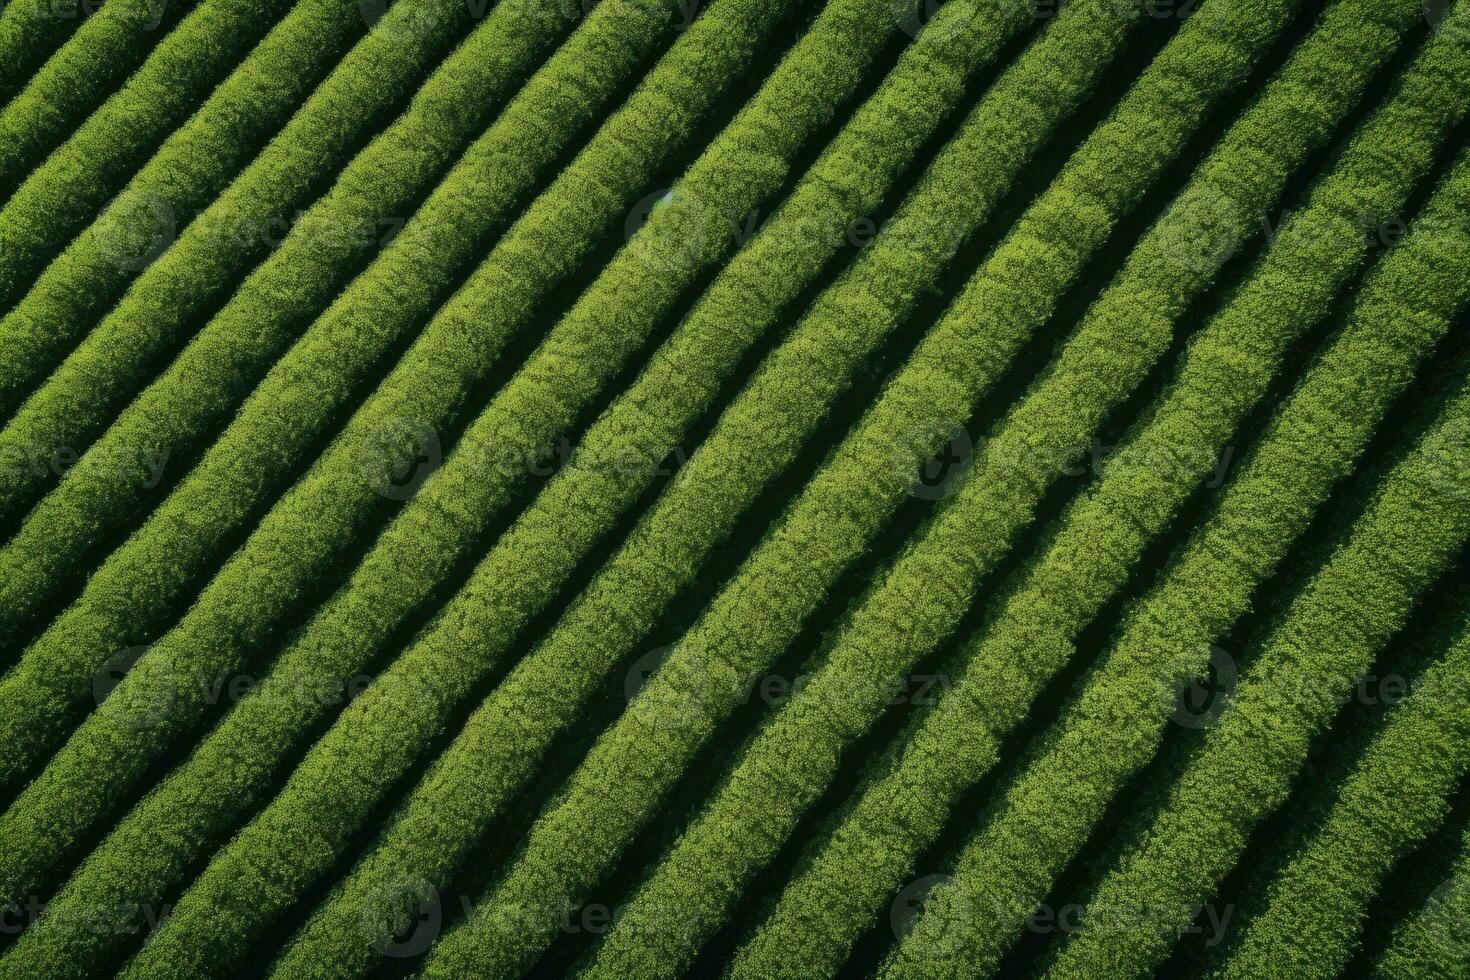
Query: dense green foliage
{"points": [[1431, 944], [315, 379], [1330, 637], [197, 259], [380, 381], [217, 631], [1106, 531], [1395, 796], [102, 53], [465, 786], [61, 194]]}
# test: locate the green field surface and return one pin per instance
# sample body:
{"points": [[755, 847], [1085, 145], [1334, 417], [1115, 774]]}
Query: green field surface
{"points": [[766, 489]]}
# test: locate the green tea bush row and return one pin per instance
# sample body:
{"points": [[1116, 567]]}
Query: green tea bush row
{"points": [[793, 760], [1396, 795], [586, 499], [94, 61], [146, 231], [1304, 672], [746, 164], [138, 583], [323, 248], [64, 193], [1431, 944], [30, 30], [1311, 444], [828, 525]]}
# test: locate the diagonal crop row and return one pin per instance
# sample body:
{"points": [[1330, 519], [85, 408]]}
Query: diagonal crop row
{"points": [[1335, 628], [94, 61], [62, 194], [585, 499], [1431, 944], [597, 625], [793, 760], [30, 31], [1395, 796], [746, 164], [1310, 445], [257, 729], [78, 398], [632, 765], [317, 256], [748, 161], [1098, 542], [515, 576], [314, 379], [296, 401]]}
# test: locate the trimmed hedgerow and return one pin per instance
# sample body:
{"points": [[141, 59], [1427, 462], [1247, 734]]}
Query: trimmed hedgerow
{"points": [[744, 165], [1061, 69], [297, 400], [104, 50], [64, 193], [30, 30], [563, 524], [1103, 534], [1396, 795], [1307, 667], [319, 252], [747, 162], [765, 603], [794, 758], [189, 170], [1430, 945]]}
